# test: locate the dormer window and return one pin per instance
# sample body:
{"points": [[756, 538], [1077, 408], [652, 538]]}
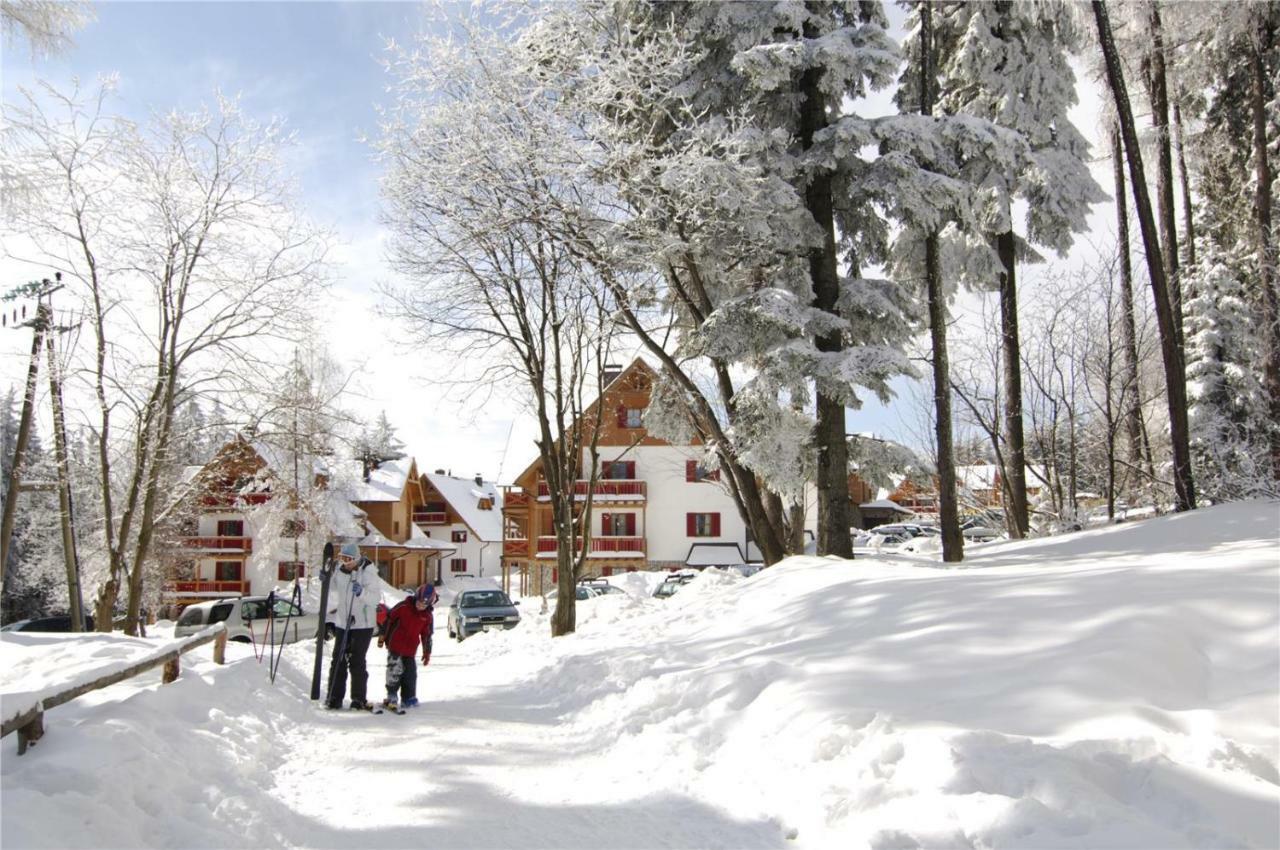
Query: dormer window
{"points": [[629, 417], [485, 504]]}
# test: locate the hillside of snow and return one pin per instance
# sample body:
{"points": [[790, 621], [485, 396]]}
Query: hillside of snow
{"points": [[1113, 688]]}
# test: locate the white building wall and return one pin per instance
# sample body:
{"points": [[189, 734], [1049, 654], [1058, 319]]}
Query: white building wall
{"points": [[482, 560]]}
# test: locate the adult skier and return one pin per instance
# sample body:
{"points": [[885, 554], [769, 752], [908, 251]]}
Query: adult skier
{"points": [[409, 624], [353, 603]]}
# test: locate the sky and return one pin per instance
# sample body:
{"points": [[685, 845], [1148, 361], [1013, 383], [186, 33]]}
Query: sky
{"points": [[317, 66]]}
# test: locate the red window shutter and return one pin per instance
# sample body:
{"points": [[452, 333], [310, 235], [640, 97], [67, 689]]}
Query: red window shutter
{"points": [[631, 525], [715, 525], [555, 575], [622, 416], [690, 470], [606, 525], [631, 469], [691, 524]]}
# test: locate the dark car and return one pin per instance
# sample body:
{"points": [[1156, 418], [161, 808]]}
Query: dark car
{"points": [[671, 584], [48, 624], [480, 611]]}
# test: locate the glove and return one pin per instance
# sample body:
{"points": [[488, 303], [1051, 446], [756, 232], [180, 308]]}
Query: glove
{"points": [[426, 659], [357, 588], [380, 643]]}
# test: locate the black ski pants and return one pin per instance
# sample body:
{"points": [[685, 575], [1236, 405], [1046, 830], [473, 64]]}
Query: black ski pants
{"points": [[402, 677], [357, 645]]}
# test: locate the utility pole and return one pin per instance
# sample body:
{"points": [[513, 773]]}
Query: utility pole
{"points": [[74, 596]]}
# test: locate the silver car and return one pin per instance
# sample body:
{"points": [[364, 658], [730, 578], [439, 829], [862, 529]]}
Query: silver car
{"points": [[247, 620], [480, 611]]}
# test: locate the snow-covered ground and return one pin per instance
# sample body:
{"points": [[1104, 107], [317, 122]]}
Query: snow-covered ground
{"points": [[1114, 688]]}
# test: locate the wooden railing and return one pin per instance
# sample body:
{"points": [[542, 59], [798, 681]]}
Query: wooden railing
{"points": [[516, 547], [598, 544], [430, 517], [512, 498], [603, 487], [231, 500], [218, 544], [240, 588], [28, 721]]}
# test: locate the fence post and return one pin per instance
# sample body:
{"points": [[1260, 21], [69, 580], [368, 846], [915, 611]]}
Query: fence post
{"points": [[220, 648], [171, 670]]}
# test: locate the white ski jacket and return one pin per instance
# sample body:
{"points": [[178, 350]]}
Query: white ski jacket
{"points": [[343, 598]]}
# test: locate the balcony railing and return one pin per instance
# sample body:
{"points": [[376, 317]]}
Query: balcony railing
{"points": [[599, 544], [516, 547], [218, 544], [228, 588], [633, 488], [430, 518], [513, 498], [231, 500]]}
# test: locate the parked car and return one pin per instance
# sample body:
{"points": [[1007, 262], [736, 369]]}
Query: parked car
{"points": [[980, 533], [246, 619], [672, 583], [479, 611], [600, 586], [47, 624], [580, 593]]}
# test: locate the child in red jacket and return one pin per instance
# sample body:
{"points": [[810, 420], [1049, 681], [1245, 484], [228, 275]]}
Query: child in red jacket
{"points": [[408, 624]]}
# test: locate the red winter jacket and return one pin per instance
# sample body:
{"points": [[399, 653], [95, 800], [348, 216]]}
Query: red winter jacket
{"points": [[406, 627]]}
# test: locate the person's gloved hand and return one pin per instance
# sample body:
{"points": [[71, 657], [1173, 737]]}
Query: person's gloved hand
{"points": [[357, 588], [381, 641], [426, 659]]}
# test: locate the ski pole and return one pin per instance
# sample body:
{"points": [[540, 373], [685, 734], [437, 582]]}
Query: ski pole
{"points": [[295, 600]]}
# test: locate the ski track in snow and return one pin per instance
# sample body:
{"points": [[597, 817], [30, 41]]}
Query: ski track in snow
{"points": [[1115, 688]]}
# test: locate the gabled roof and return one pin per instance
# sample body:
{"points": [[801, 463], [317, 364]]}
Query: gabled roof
{"points": [[386, 483], [464, 495], [636, 365]]}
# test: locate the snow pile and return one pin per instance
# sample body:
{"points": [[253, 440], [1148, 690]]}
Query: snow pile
{"points": [[1117, 688]]}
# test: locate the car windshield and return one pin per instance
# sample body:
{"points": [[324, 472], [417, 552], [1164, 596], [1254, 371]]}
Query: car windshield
{"points": [[484, 599]]}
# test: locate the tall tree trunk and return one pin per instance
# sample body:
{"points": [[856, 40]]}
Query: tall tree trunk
{"points": [[1171, 352], [1267, 255], [829, 434], [1188, 225], [39, 329], [1159, 89], [75, 600], [948, 509], [1131, 400], [1018, 518]]}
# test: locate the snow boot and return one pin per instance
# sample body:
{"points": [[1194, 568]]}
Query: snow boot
{"points": [[410, 702], [390, 705]]}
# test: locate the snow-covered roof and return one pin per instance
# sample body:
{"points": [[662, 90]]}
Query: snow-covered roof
{"points": [[714, 555], [419, 539], [189, 473], [385, 483], [464, 495], [342, 517]]}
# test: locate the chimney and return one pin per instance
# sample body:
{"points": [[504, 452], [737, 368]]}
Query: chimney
{"points": [[479, 480], [611, 373], [439, 472]]}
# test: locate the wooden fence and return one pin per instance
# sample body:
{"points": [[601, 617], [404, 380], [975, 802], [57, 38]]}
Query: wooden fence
{"points": [[30, 723]]}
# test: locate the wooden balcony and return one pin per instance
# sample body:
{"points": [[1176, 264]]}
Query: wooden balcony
{"points": [[515, 500], [613, 489], [515, 548], [430, 518], [218, 544], [209, 588], [233, 500], [630, 545]]}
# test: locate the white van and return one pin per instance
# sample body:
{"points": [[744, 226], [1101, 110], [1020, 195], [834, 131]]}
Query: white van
{"points": [[247, 620]]}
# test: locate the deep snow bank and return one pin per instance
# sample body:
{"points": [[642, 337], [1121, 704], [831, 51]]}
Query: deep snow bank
{"points": [[1116, 688]]}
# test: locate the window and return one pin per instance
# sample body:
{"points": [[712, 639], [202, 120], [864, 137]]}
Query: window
{"points": [[617, 525], [457, 565], [629, 417], [485, 504], [619, 470], [395, 528], [702, 525], [231, 528], [227, 570], [459, 537], [220, 612], [434, 507], [694, 471], [293, 528], [289, 570]]}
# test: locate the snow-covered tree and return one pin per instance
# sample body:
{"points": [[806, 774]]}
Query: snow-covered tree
{"points": [[1007, 63], [1228, 416], [46, 25], [377, 442], [183, 244]]}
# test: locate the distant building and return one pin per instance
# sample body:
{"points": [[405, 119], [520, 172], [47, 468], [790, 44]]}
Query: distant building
{"points": [[654, 504], [466, 512]]}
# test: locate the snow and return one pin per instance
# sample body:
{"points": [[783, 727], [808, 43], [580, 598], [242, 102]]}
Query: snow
{"points": [[1118, 687], [464, 496], [385, 484]]}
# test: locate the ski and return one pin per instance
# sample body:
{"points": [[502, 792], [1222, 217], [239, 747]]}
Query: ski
{"points": [[326, 571]]}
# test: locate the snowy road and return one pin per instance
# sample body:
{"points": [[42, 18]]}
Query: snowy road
{"points": [[1114, 688]]}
